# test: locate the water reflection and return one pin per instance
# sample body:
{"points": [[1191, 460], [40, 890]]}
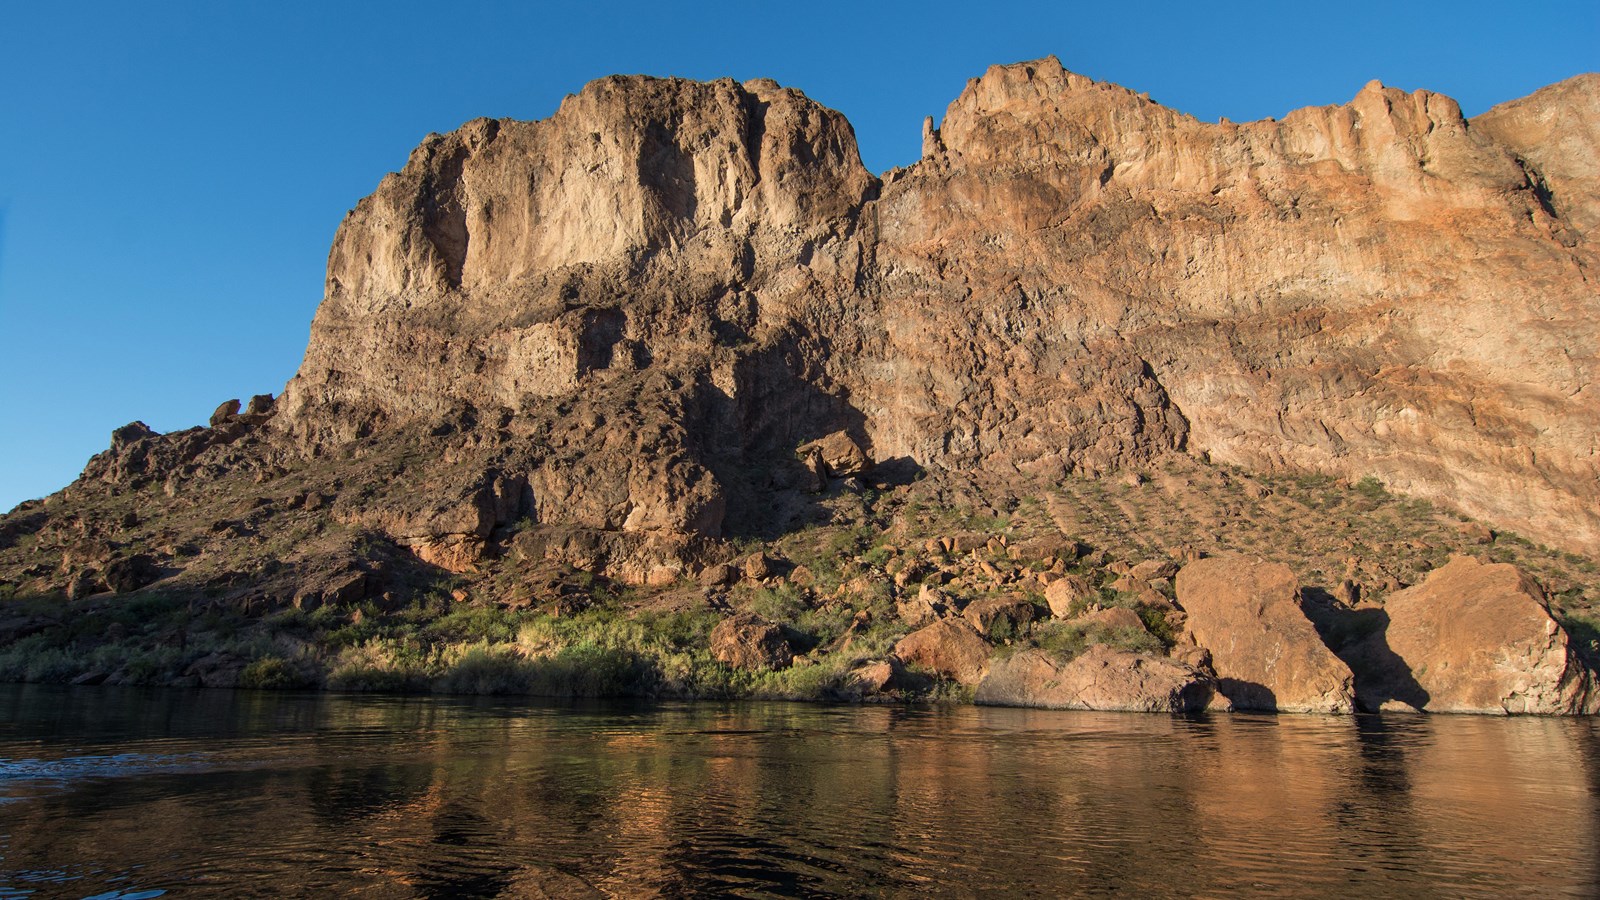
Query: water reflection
{"points": [[391, 797]]}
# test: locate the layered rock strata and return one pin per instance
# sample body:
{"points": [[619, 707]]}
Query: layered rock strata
{"points": [[667, 281]]}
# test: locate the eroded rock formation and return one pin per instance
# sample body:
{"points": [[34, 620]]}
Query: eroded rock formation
{"points": [[667, 280], [679, 316], [1101, 678], [1266, 652]]}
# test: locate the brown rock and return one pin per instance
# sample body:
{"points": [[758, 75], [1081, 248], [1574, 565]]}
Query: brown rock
{"points": [[1556, 129], [949, 647], [746, 641], [131, 573], [1128, 584], [1100, 678], [1116, 618], [758, 567], [929, 604], [1152, 569], [839, 453], [1267, 654], [814, 477], [217, 670], [226, 411], [1067, 595], [1010, 613], [1475, 638], [718, 575], [85, 583], [452, 552], [259, 405], [870, 677]]}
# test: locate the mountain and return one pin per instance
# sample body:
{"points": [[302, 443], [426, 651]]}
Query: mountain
{"points": [[679, 322]]}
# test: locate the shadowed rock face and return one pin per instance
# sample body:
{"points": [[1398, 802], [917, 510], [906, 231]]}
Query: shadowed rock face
{"points": [[668, 281]]}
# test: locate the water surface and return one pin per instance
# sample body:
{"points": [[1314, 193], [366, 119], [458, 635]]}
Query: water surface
{"points": [[130, 793]]}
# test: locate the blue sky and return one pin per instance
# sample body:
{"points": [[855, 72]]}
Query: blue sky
{"points": [[171, 174]]}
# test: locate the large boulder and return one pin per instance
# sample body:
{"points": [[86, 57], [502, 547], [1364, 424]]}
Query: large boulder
{"points": [[1115, 618], [131, 573], [1007, 614], [224, 412], [949, 647], [1474, 638], [839, 453], [1068, 594], [1101, 678], [1267, 654], [748, 641]]}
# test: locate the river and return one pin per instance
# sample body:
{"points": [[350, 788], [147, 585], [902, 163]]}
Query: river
{"points": [[128, 793]]}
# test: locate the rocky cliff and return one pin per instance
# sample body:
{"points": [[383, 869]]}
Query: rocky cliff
{"points": [[1073, 280], [677, 316]]}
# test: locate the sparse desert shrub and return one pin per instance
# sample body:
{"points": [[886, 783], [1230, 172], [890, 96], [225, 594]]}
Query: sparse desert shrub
{"points": [[1068, 639], [485, 670], [781, 604], [1371, 488], [274, 673]]}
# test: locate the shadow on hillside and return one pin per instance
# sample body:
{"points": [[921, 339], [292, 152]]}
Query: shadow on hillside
{"points": [[750, 432]]}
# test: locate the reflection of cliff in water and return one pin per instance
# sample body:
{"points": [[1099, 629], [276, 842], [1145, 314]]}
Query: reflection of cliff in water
{"points": [[434, 798]]}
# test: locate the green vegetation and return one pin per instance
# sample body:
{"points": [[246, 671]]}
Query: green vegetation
{"points": [[843, 589], [1066, 639]]}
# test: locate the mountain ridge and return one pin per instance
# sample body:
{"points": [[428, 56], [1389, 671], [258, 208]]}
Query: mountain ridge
{"points": [[678, 317]]}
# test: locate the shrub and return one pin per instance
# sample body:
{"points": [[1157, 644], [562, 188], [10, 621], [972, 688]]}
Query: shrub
{"points": [[274, 673], [482, 670], [1372, 489]]}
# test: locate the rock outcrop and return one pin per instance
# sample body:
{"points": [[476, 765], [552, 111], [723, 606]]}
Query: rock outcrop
{"points": [[947, 647], [669, 284], [1267, 293], [750, 642], [677, 322], [1474, 638], [1101, 678], [1266, 653]]}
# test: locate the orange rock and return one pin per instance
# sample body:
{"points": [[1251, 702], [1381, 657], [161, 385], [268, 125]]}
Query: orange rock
{"points": [[1476, 638], [749, 642], [1267, 654], [1100, 678], [949, 647], [1066, 592]]}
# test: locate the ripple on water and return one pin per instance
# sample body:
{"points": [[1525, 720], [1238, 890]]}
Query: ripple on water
{"points": [[21, 779], [320, 795]]}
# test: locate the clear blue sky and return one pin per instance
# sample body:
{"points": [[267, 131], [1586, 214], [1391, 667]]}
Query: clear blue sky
{"points": [[171, 174]]}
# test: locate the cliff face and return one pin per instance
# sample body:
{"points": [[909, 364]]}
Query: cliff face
{"points": [[675, 352], [667, 283], [610, 292], [1380, 288]]}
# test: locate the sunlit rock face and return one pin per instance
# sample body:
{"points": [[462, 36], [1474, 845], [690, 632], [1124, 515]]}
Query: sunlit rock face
{"points": [[1380, 288], [670, 279]]}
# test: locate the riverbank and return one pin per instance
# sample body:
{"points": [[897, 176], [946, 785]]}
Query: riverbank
{"points": [[917, 595]]}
